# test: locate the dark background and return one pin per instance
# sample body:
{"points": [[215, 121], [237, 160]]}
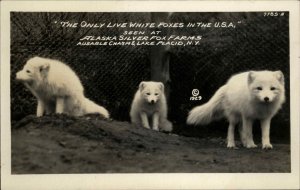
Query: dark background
{"points": [[111, 74]]}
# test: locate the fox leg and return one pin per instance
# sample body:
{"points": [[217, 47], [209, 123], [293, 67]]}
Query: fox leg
{"points": [[155, 119], [250, 138], [230, 132], [144, 118], [247, 133], [40, 108], [48, 108], [242, 135], [59, 105], [40, 104], [31, 90], [265, 132]]}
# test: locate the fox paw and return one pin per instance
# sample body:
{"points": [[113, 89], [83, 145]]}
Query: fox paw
{"points": [[147, 127], [267, 146], [244, 142], [251, 145], [231, 145]]}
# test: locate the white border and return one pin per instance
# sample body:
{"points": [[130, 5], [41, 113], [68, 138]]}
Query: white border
{"points": [[149, 181]]}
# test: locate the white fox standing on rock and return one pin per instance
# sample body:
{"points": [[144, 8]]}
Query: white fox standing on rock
{"points": [[57, 88], [245, 97], [149, 107]]}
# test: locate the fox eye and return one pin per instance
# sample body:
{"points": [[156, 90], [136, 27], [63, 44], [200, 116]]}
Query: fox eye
{"points": [[156, 94], [272, 88], [27, 71], [148, 93], [259, 88]]}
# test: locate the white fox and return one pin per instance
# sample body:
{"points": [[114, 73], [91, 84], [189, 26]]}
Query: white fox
{"points": [[245, 97], [57, 88], [149, 107]]}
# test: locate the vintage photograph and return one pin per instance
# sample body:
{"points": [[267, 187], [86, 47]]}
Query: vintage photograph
{"points": [[149, 96], [197, 92]]}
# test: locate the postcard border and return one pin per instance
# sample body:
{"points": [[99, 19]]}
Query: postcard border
{"points": [[149, 181]]}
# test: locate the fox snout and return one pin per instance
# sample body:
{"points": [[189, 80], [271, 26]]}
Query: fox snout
{"points": [[23, 76], [266, 96], [266, 99], [152, 101], [18, 75]]}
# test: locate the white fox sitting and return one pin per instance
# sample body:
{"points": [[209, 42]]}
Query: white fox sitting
{"points": [[149, 107]]}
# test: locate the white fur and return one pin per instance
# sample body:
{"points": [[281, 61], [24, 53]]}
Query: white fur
{"points": [[245, 97], [149, 107], [57, 88]]}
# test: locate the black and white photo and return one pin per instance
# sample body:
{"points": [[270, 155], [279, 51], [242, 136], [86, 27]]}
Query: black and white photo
{"points": [[106, 91]]}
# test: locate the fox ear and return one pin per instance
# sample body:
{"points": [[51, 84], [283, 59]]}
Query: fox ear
{"points": [[251, 77], [279, 76], [142, 86], [44, 68], [161, 86]]}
